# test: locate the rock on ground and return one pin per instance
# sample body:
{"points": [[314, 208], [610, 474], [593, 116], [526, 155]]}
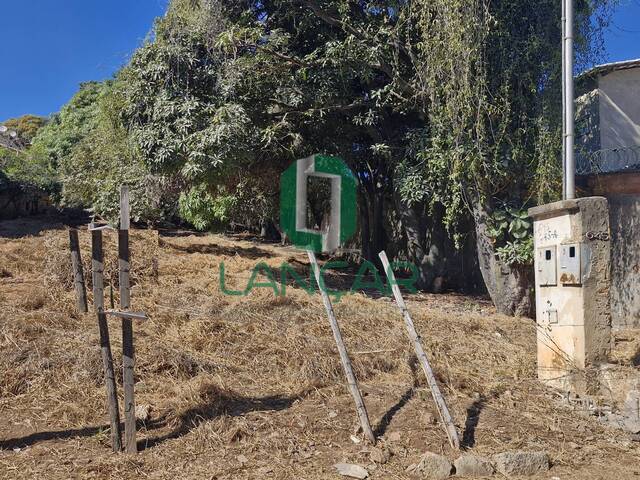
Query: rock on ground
{"points": [[472, 466], [142, 412], [432, 467], [378, 455], [351, 470], [521, 463], [630, 412]]}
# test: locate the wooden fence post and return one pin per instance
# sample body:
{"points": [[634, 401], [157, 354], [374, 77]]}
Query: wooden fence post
{"points": [[344, 356], [422, 356], [128, 352], [97, 262], [78, 273]]}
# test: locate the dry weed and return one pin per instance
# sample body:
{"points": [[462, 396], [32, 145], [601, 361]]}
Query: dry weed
{"points": [[257, 375]]}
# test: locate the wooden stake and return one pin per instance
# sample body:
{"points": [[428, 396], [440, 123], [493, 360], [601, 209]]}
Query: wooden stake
{"points": [[78, 274], [422, 357], [127, 325], [344, 356], [97, 263]]}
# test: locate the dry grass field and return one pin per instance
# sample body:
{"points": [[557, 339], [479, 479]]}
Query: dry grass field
{"points": [[251, 387]]}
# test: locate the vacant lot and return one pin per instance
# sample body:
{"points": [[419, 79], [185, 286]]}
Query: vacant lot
{"points": [[251, 387]]}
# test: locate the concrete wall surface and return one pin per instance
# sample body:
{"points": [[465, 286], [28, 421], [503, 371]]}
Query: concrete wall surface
{"points": [[624, 212], [572, 265], [619, 93]]}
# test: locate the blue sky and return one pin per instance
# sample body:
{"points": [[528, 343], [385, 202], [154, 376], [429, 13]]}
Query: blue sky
{"points": [[47, 47], [623, 38]]}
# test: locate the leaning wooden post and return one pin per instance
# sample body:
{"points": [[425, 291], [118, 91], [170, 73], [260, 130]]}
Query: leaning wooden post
{"points": [[97, 263], [344, 356], [422, 356], [78, 274], [127, 325]]}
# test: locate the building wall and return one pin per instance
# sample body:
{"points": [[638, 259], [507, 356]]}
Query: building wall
{"points": [[622, 190], [624, 213], [614, 168], [619, 93]]}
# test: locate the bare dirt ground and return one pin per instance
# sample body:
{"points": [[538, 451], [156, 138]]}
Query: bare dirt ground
{"points": [[251, 387]]}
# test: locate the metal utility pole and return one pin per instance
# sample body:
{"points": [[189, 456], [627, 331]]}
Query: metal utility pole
{"points": [[569, 163], [564, 100]]}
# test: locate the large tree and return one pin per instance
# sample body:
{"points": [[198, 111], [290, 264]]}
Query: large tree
{"points": [[447, 111], [490, 146]]}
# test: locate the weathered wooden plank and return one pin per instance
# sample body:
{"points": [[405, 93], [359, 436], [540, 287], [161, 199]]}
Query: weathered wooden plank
{"points": [[97, 262], [441, 405], [78, 273], [93, 227], [125, 210], [129, 386], [344, 356], [128, 352], [128, 315]]}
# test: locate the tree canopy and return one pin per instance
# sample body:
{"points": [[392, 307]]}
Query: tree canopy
{"points": [[447, 111]]}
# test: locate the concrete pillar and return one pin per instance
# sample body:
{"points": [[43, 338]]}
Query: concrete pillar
{"points": [[572, 263]]}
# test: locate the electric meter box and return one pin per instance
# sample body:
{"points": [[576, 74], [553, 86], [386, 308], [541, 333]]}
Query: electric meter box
{"points": [[547, 266], [572, 288], [570, 267]]}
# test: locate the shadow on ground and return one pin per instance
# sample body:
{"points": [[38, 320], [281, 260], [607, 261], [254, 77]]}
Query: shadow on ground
{"points": [[37, 224], [471, 423], [216, 402], [220, 250]]}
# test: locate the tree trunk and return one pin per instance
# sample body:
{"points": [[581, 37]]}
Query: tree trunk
{"points": [[378, 236], [372, 224], [269, 230], [363, 207], [510, 287], [425, 244]]}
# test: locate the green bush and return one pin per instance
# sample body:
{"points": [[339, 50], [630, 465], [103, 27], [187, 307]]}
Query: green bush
{"points": [[512, 232], [204, 210]]}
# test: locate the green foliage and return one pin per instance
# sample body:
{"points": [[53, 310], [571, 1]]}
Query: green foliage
{"points": [[428, 94], [510, 222], [84, 154], [27, 126], [66, 129], [547, 186], [4, 181], [26, 169], [512, 232], [104, 159], [517, 253], [174, 99], [204, 210], [452, 102], [490, 75], [55, 141]]}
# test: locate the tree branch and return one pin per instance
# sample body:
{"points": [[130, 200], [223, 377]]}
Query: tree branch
{"points": [[382, 65]]}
